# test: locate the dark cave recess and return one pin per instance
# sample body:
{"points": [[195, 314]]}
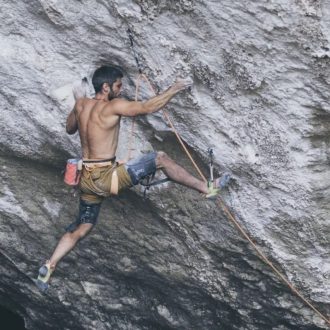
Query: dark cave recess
{"points": [[10, 320]]}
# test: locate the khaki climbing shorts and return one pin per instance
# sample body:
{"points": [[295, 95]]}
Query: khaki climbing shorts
{"points": [[97, 181]]}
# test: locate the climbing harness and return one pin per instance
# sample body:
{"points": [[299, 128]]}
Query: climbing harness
{"points": [[219, 201]]}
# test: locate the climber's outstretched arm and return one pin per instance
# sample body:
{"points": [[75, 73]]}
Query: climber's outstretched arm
{"points": [[134, 108]]}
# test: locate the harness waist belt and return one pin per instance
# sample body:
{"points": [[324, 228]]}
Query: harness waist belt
{"points": [[96, 161], [89, 164]]}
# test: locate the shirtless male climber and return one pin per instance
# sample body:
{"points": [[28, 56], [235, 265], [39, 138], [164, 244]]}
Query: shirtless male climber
{"points": [[98, 123]]}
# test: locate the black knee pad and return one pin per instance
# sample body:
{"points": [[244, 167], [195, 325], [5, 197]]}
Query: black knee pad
{"points": [[88, 213]]}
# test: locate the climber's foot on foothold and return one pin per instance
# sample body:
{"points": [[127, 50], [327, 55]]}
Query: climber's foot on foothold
{"points": [[218, 184], [42, 282]]}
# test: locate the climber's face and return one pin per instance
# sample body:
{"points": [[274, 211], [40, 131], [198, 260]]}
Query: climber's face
{"points": [[116, 87], [113, 90]]}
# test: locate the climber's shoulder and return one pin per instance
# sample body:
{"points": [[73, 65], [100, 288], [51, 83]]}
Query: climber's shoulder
{"points": [[82, 103]]}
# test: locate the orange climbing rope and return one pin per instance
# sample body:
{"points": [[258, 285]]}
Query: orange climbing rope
{"points": [[225, 209]]}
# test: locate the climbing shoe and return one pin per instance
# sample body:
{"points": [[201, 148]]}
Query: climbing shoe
{"points": [[218, 184], [42, 281]]}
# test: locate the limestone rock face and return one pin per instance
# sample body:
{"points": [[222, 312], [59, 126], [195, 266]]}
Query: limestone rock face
{"points": [[260, 100]]}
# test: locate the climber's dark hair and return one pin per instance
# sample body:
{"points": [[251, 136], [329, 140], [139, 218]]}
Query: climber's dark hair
{"points": [[105, 74]]}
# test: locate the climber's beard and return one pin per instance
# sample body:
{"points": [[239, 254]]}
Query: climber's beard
{"points": [[112, 95]]}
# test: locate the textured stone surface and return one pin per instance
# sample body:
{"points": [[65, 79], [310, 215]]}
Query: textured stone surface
{"points": [[260, 99]]}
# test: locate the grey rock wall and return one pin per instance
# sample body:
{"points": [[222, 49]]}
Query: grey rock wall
{"points": [[260, 100]]}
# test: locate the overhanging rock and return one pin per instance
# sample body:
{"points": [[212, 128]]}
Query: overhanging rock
{"points": [[260, 100]]}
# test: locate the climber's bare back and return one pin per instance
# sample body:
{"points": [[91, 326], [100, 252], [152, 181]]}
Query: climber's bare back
{"points": [[98, 129]]}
